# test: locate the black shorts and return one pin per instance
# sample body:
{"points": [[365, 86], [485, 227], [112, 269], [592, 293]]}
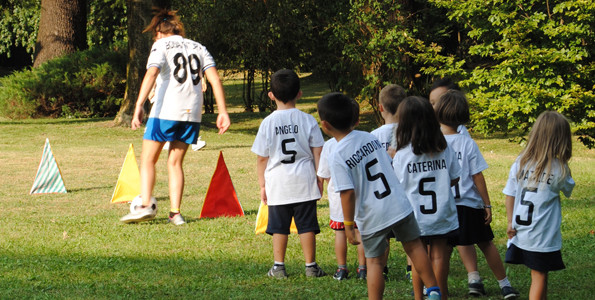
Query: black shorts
{"points": [[304, 214], [427, 239], [539, 261], [472, 228]]}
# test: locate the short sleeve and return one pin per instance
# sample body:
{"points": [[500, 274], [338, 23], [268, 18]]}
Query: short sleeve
{"points": [[323, 165], [260, 145], [511, 183], [206, 58], [316, 139], [157, 57], [454, 168], [476, 161], [342, 180], [567, 185]]}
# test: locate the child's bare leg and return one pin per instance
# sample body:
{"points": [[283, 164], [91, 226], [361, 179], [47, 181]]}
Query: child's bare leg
{"points": [[308, 241], [375, 280], [493, 258], [421, 266], [177, 152], [341, 247], [538, 289], [469, 257], [149, 157], [361, 257], [440, 256], [279, 246]]}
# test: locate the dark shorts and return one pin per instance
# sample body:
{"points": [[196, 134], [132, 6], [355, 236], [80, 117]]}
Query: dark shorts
{"points": [[169, 131], [404, 230], [427, 239], [539, 261], [472, 229], [304, 214]]}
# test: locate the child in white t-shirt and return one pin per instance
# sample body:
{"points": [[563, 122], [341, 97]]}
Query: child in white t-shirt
{"points": [[471, 196], [533, 208], [288, 145], [427, 168], [371, 196]]}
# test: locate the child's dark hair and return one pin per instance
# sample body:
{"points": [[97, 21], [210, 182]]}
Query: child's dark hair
{"points": [[285, 85], [452, 109], [391, 96], [419, 127], [338, 110], [355, 118], [165, 21], [445, 82]]}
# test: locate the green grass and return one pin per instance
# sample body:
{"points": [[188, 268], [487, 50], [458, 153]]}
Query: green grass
{"points": [[73, 245]]}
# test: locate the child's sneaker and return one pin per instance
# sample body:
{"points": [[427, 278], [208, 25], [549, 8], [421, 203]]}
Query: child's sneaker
{"points": [[476, 288], [341, 274], [277, 272], [434, 295], [314, 271], [408, 275], [177, 219], [140, 214], [385, 272], [509, 292], [362, 273]]}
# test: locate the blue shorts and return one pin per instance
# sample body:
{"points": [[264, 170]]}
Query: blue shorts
{"points": [[168, 131]]}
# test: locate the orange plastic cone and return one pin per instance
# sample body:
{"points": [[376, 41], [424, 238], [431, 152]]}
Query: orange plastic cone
{"points": [[221, 198]]}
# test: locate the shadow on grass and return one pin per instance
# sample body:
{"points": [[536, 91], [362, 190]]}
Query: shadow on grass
{"points": [[58, 121]]}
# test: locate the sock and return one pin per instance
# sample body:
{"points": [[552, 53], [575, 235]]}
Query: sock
{"points": [[278, 264], [473, 276], [504, 282], [342, 266], [361, 267], [433, 289], [173, 212], [312, 264], [408, 268]]}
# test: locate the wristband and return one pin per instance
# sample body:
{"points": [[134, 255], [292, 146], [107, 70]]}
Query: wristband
{"points": [[487, 206], [348, 223]]}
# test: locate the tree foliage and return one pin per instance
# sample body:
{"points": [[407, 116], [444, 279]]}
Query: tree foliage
{"points": [[18, 25]]}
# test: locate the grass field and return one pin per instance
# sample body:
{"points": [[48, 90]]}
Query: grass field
{"points": [[73, 245]]}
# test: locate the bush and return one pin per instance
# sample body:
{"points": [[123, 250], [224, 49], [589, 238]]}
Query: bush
{"points": [[88, 83]]}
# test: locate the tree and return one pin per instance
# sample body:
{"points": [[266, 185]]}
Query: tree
{"points": [[139, 44], [62, 29]]}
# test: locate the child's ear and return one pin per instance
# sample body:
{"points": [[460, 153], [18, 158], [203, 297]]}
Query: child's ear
{"points": [[299, 95], [271, 96], [381, 108]]}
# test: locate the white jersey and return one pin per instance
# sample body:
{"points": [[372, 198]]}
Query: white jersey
{"points": [[537, 213], [360, 162], [286, 138], [324, 171], [178, 92], [471, 162], [385, 134], [426, 179], [461, 129]]}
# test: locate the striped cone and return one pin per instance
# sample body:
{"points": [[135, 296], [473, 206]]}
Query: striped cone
{"points": [[48, 178]]}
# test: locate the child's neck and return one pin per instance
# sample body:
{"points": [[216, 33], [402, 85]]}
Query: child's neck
{"points": [[283, 106], [389, 119], [448, 130], [339, 135]]}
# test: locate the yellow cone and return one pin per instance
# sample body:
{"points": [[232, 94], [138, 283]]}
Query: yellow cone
{"points": [[262, 220], [128, 185]]}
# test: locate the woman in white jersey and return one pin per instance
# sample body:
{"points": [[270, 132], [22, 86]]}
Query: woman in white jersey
{"points": [[427, 167], [532, 192], [176, 66]]}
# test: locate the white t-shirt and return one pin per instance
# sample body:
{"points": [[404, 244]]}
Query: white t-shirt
{"points": [[471, 162], [461, 129], [537, 213], [385, 134], [361, 163], [178, 92], [324, 171], [426, 179], [286, 138]]}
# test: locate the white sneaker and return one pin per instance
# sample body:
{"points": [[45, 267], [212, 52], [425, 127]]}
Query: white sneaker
{"points": [[140, 215], [177, 220], [199, 144]]}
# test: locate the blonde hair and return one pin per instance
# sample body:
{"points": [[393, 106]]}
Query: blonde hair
{"points": [[549, 140], [165, 21]]}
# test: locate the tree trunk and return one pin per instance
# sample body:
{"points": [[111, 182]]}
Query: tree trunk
{"points": [[139, 45], [62, 29]]}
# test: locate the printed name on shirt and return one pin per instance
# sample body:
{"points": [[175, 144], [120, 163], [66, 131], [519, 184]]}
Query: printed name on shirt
{"points": [[366, 149], [459, 155], [286, 129], [547, 178], [426, 166]]}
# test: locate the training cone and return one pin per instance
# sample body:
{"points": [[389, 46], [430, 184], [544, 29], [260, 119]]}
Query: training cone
{"points": [[221, 198], [49, 177], [262, 219], [128, 185]]}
